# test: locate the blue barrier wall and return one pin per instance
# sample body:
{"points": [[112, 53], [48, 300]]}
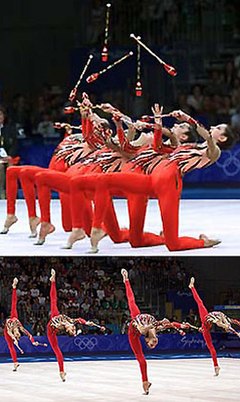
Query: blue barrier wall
{"points": [[112, 344], [225, 171]]}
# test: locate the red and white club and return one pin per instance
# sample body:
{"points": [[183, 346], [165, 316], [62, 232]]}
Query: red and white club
{"points": [[138, 88], [73, 92], [169, 69], [106, 34], [148, 118], [94, 76]]}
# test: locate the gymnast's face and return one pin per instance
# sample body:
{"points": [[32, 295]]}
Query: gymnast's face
{"points": [[151, 342], [219, 132], [181, 130], [70, 329], [151, 339]]}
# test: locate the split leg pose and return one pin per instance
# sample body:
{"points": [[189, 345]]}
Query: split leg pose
{"points": [[210, 318], [60, 322], [148, 326], [205, 329], [13, 329], [141, 324]]}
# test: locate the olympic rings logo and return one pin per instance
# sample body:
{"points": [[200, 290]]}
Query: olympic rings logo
{"points": [[86, 343], [230, 162]]}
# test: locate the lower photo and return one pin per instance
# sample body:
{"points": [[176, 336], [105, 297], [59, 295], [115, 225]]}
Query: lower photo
{"points": [[115, 329]]}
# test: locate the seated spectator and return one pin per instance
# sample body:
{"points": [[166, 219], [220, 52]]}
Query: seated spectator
{"points": [[45, 127], [235, 121], [195, 99], [8, 147]]}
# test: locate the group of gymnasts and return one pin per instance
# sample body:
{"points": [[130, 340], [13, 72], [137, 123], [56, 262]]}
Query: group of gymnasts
{"points": [[140, 324], [132, 161]]}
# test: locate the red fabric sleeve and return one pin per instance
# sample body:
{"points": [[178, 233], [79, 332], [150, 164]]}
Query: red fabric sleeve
{"points": [[84, 126], [81, 321]]}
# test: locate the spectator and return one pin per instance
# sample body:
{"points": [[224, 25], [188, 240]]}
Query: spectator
{"points": [[195, 99], [45, 126], [8, 147]]}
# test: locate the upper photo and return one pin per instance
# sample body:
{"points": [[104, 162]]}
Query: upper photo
{"points": [[119, 129]]}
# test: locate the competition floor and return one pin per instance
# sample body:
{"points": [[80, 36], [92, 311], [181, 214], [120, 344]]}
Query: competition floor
{"points": [[218, 219], [180, 380]]}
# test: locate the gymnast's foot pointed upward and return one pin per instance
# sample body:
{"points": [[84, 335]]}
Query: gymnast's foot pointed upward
{"points": [[9, 221], [191, 283], [45, 229], [76, 234], [53, 275], [15, 282], [124, 273]]}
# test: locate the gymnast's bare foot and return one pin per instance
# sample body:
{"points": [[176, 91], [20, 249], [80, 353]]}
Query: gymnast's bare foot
{"points": [[15, 366], [191, 283], [208, 242], [146, 386], [97, 234], [217, 370], [76, 234], [33, 223], [63, 376], [46, 228], [124, 273], [10, 220], [53, 275]]}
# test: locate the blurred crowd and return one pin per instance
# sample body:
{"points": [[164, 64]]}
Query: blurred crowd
{"points": [[218, 99]]}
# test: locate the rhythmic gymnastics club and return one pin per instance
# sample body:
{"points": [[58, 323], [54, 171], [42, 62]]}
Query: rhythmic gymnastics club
{"points": [[98, 326], [41, 344], [147, 118], [73, 92], [193, 326], [105, 49], [169, 69], [58, 125], [94, 76], [138, 88]]}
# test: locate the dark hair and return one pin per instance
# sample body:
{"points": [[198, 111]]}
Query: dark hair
{"points": [[230, 141], [105, 125], [191, 134]]}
